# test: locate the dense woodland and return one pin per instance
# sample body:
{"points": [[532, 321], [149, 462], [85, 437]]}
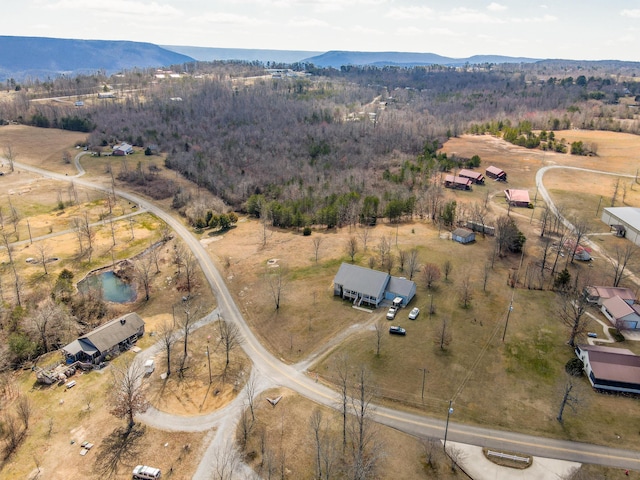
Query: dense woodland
{"points": [[329, 147]]}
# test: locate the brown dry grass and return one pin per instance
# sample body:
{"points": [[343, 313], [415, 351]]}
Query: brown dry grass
{"points": [[288, 437], [511, 385]]}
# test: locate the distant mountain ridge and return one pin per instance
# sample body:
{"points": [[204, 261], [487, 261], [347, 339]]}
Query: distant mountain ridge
{"points": [[339, 58], [40, 57], [209, 54]]}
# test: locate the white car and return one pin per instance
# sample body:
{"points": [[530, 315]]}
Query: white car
{"points": [[391, 314], [413, 314]]}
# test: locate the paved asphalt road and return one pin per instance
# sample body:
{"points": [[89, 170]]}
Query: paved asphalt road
{"points": [[279, 373]]}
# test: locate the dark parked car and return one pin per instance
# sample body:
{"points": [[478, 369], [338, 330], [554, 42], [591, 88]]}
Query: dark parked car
{"points": [[397, 330]]}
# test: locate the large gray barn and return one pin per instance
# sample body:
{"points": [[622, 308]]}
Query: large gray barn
{"points": [[628, 217]]}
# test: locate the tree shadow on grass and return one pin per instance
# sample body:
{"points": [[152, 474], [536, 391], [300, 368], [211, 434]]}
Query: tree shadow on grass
{"points": [[119, 448]]}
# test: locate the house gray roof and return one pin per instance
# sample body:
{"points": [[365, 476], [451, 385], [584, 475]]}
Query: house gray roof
{"points": [[400, 286], [107, 336], [463, 233], [361, 280]]}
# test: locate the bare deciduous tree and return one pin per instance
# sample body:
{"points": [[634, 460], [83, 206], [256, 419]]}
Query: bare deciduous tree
{"points": [[366, 448], [143, 273], [227, 460], [128, 397], [380, 327], [571, 310], [622, 256], [168, 338], [276, 280], [569, 399], [430, 274], [364, 236], [42, 249], [466, 292], [190, 271], [384, 247], [24, 409], [352, 247], [412, 263], [17, 282], [317, 241], [48, 320], [447, 267], [230, 338], [443, 336], [10, 156]]}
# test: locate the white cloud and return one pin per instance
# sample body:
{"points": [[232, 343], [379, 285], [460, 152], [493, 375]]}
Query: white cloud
{"points": [[631, 13], [543, 19], [496, 7], [226, 19], [443, 32], [468, 15], [409, 31], [122, 7], [402, 13], [307, 22]]}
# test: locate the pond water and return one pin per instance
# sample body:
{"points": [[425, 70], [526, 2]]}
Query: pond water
{"points": [[113, 288]]}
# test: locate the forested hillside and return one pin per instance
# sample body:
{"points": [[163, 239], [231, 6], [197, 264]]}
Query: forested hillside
{"points": [[339, 145]]}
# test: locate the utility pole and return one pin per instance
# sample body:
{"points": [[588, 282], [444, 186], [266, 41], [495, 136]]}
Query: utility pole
{"points": [[506, 324], [424, 371], [209, 361], [446, 428]]}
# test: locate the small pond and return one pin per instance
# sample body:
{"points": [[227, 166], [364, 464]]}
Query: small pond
{"points": [[113, 288]]}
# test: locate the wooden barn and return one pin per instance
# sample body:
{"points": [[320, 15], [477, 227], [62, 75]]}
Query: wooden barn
{"points": [[475, 177], [458, 183], [496, 173]]}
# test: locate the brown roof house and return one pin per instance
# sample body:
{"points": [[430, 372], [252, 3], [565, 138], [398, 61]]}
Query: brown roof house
{"points": [[608, 368], [598, 294], [517, 198], [475, 177], [621, 315], [111, 338], [461, 183]]}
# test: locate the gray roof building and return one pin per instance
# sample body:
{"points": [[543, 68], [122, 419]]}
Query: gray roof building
{"points": [[627, 217], [363, 285], [95, 345]]}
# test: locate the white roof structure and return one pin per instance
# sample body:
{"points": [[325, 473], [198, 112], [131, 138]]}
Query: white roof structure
{"points": [[629, 215]]}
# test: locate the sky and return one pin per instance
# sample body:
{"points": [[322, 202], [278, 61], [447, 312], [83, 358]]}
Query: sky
{"points": [[567, 29]]}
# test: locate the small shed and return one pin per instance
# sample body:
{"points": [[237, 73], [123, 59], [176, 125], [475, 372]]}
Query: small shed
{"points": [[496, 173], [463, 235]]}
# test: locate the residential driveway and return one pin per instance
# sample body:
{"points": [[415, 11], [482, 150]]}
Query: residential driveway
{"points": [[478, 467]]}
